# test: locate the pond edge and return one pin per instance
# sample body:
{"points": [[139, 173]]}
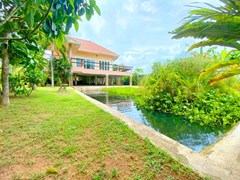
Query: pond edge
{"points": [[186, 156]]}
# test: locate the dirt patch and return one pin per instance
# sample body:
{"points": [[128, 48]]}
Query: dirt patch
{"points": [[38, 164]]}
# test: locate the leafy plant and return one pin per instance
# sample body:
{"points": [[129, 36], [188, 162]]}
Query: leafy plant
{"points": [[62, 69], [174, 88], [25, 20], [27, 67], [219, 26]]}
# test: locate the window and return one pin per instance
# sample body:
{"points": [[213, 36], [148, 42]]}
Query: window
{"points": [[78, 62], [103, 65], [89, 64]]}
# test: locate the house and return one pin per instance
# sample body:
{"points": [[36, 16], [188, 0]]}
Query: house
{"points": [[93, 64]]}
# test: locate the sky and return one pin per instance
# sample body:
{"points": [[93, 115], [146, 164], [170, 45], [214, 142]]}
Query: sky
{"points": [[138, 30]]}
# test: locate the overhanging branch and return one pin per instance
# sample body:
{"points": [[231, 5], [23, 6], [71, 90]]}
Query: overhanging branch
{"points": [[11, 14], [31, 32]]}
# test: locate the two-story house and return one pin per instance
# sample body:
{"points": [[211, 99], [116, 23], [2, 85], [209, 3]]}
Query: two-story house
{"points": [[93, 64]]}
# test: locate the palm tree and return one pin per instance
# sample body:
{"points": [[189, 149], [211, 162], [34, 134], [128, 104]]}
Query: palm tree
{"points": [[219, 26]]}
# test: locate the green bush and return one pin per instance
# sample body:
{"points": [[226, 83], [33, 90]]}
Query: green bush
{"points": [[174, 88]]}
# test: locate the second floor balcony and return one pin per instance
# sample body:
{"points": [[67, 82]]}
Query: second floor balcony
{"points": [[86, 66]]}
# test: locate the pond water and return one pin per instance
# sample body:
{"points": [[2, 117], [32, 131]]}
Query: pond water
{"points": [[189, 134]]}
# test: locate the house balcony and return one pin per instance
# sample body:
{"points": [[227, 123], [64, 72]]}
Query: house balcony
{"points": [[91, 67]]}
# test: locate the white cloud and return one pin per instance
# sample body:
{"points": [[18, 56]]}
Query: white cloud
{"points": [[97, 24], [145, 56], [147, 19], [130, 5], [149, 7], [187, 2], [121, 21]]}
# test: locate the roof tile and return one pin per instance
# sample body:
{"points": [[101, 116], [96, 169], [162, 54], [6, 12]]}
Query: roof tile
{"points": [[90, 46]]}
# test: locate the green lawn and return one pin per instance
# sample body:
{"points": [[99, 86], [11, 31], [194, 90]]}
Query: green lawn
{"points": [[123, 91], [52, 135]]}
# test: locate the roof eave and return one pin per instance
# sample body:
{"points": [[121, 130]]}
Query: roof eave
{"points": [[115, 56]]}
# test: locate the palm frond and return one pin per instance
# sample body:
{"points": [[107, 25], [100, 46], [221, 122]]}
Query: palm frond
{"points": [[219, 42], [221, 76], [218, 66], [220, 24]]}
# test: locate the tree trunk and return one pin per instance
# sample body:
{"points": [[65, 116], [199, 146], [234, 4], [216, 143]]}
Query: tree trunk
{"points": [[52, 68], [5, 72]]}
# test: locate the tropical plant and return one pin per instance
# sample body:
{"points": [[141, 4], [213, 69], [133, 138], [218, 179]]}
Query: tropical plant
{"points": [[174, 88], [219, 26], [137, 76], [231, 61], [27, 67], [24, 20], [62, 69]]}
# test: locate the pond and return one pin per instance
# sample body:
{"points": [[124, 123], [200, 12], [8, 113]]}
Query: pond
{"points": [[189, 134]]}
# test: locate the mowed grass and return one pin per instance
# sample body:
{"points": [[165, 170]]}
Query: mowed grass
{"points": [[52, 135], [123, 91]]}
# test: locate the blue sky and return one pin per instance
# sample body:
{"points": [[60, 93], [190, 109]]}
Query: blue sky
{"points": [[137, 30]]}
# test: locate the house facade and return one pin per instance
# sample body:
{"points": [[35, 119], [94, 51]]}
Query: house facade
{"points": [[93, 64]]}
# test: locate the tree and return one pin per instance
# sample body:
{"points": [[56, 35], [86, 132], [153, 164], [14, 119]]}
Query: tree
{"points": [[219, 26], [28, 20], [62, 69], [137, 75], [27, 66]]}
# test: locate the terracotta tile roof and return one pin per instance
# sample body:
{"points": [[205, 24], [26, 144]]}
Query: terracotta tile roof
{"points": [[89, 46]]}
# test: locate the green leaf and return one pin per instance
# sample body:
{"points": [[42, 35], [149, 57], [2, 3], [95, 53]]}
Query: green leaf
{"points": [[46, 27], [81, 11], [70, 10], [98, 11], [71, 2], [92, 3], [68, 24], [89, 13], [30, 18], [54, 27], [58, 6], [76, 25]]}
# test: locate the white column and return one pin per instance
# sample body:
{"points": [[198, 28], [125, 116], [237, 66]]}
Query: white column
{"points": [[106, 83], [130, 81]]}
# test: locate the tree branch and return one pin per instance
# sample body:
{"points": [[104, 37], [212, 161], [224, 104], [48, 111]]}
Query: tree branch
{"points": [[11, 13], [31, 32]]}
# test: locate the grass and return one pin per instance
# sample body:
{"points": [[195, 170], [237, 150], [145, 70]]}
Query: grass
{"points": [[52, 135], [123, 91]]}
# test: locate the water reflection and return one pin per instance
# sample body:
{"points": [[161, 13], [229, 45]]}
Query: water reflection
{"points": [[191, 135]]}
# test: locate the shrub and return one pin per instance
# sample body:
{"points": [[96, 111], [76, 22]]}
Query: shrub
{"points": [[174, 88]]}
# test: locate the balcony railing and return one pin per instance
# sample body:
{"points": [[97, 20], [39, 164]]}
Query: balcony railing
{"points": [[101, 65]]}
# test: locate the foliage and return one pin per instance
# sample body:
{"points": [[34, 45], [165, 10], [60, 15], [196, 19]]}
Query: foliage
{"points": [[230, 60], [23, 21], [62, 70], [17, 84], [27, 67], [219, 26], [174, 88], [209, 108], [136, 78]]}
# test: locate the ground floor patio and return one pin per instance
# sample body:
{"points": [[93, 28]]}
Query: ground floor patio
{"points": [[98, 80]]}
